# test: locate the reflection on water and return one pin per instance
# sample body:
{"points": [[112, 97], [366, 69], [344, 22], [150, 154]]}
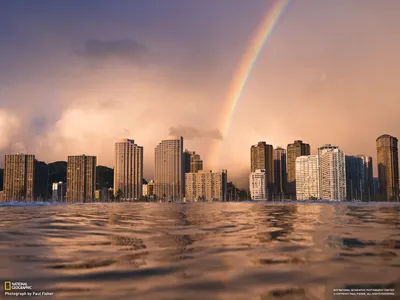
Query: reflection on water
{"points": [[201, 250]]}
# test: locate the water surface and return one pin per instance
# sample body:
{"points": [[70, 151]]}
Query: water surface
{"points": [[201, 251]]}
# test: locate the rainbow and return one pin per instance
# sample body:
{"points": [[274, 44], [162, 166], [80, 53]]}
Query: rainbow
{"points": [[243, 71]]}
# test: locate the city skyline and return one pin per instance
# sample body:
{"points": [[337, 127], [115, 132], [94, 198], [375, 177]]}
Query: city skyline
{"points": [[146, 70], [194, 157], [340, 176]]}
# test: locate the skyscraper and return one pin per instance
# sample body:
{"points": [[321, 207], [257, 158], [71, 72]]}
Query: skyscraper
{"points": [[354, 177], [206, 185], [368, 177], [332, 170], [388, 166], [298, 148], [307, 177], [19, 176], [258, 185], [81, 178], [192, 162], [128, 169], [262, 158], [169, 169], [280, 171]]}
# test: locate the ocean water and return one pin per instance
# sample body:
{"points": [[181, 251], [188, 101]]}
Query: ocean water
{"points": [[202, 250]]}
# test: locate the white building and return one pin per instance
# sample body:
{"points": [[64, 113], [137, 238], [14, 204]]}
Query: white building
{"points": [[332, 166], [59, 191], [128, 169], [169, 175], [258, 185], [307, 177], [144, 190], [206, 185]]}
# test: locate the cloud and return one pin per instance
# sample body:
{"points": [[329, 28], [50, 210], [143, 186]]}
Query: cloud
{"points": [[124, 48], [18, 147], [9, 125], [38, 125], [190, 133], [323, 77]]}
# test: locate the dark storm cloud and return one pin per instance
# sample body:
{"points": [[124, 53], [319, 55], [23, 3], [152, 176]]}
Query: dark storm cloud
{"points": [[38, 125], [124, 48], [190, 133]]}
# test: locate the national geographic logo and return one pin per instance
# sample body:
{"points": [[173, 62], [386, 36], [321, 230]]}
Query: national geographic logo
{"points": [[20, 289], [11, 286]]}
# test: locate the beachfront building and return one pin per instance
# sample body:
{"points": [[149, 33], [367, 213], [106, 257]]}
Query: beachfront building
{"points": [[258, 185]]}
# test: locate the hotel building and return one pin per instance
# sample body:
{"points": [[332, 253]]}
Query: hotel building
{"points": [[388, 166], [192, 162], [332, 166], [258, 185], [128, 169], [19, 173], [169, 169], [298, 148], [262, 158], [307, 177], [206, 186], [280, 176], [81, 178]]}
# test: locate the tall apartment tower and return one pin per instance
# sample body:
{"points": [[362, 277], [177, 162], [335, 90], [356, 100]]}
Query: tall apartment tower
{"points": [[262, 158], [192, 162], [355, 178], [388, 166], [258, 185], [19, 177], [169, 169], [298, 148], [206, 185], [307, 177], [368, 177], [81, 178], [331, 161], [280, 171], [128, 169]]}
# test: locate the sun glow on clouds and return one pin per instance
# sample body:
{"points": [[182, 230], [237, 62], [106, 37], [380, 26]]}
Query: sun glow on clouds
{"points": [[9, 124]]}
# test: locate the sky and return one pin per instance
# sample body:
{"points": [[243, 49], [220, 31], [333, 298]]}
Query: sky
{"points": [[77, 75]]}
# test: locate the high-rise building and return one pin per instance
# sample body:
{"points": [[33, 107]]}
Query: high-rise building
{"points": [[192, 162], [259, 185], [375, 184], [280, 171], [388, 166], [81, 178], [59, 190], [169, 169], [128, 169], [331, 161], [19, 176], [206, 186], [298, 148], [262, 158], [355, 178], [307, 177], [368, 177]]}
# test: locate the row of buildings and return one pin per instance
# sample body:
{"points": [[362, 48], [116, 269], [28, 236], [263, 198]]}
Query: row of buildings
{"points": [[275, 174], [328, 174], [178, 175]]}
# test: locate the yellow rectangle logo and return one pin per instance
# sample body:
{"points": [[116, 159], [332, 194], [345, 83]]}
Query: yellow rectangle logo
{"points": [[7, 285]]}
